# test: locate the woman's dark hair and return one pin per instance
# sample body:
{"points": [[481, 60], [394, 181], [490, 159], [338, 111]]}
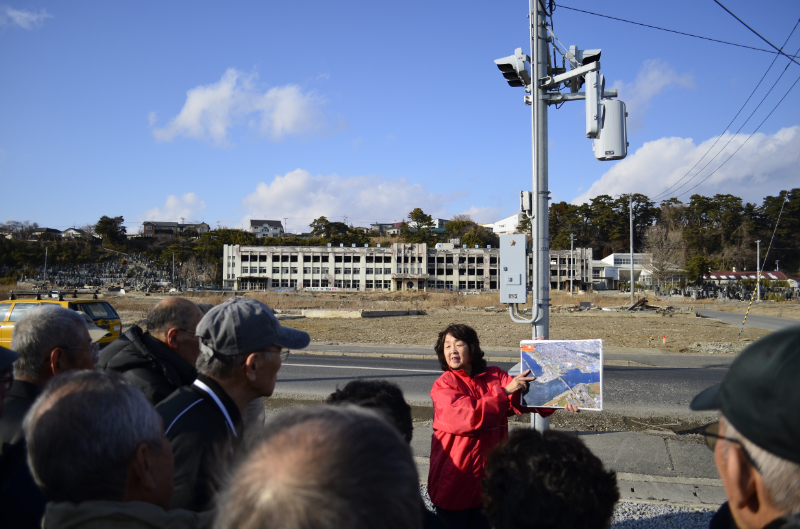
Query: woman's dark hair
{"points": [[466, 334], [550, 481]]}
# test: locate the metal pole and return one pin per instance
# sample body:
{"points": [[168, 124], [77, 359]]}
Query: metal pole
{"points": [[758, 270], [541, 194], [631, 218], [45, 264], [173, 268]]}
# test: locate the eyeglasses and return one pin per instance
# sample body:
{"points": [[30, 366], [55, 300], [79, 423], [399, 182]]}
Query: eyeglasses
{"points": [[95, 347], [711, 433], [6, 379], [186, 330], [284, 353]]}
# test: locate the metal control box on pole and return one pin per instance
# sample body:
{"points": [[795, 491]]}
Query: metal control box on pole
{"points": [[513, 273]]}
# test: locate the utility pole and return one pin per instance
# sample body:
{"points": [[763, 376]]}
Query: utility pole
{"points": [[541, 193], [631, 218], [758, 270], [777, 266], [173, 268], [285, 225], [45, 264], [571, 260]]}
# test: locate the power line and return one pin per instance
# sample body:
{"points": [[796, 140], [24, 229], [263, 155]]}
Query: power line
{"points": [[756, 32], [670, 188], [746, 140], [674, 31]]}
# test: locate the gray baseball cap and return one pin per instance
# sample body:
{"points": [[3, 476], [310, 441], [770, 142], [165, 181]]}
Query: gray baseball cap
{"points": [[7, 358], [244, 325], [95, 332]]}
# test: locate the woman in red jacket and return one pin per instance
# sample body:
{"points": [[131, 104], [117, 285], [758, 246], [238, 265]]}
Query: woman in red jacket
{"points": [[471, 404]]}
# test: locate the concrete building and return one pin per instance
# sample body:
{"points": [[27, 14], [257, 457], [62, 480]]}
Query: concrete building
{"points": [[397, 266], [507, 225], [266, 228]]}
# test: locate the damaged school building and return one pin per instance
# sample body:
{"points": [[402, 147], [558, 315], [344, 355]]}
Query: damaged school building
{"points": [[398, 266]]}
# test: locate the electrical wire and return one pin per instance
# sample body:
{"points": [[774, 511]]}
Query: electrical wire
{"points": [[673, 186], [745, 141], [670, 30], [756, 32]]}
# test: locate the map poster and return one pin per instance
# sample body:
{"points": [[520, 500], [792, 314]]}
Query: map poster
{"points": [[566, 371]]}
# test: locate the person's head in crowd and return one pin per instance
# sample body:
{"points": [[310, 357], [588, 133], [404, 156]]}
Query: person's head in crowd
{"points": [[549, 481], [205, 307], [173, 322], [379, 395], [458, 347], [756, 441], [325, 467], [93, 437], [242, 347], [51, 340], [7, 358]]}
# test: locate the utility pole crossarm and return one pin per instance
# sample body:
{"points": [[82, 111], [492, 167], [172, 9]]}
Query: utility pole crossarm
{"points": [[553, 98], [548, 82]]}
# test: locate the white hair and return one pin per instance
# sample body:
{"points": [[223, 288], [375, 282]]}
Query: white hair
{"points": [[82, 432], [781, 477], [39, 331]]}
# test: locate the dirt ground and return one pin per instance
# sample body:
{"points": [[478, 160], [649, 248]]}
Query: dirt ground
{"points": [[684, 332]]}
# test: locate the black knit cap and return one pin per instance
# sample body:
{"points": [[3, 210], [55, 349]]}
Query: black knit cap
{"points": [[760, 394]]}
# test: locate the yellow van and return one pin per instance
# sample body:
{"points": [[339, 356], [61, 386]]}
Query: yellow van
{"points": [[101, 312]]}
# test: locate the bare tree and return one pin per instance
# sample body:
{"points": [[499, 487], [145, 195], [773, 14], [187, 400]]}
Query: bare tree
{"points": [[666, 255], [189, 270]]}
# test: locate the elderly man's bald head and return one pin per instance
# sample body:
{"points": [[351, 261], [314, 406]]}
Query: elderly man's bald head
{"points": [[325, 467], [172, 312]]}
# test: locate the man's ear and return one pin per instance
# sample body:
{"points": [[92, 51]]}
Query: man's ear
{"points": [[140, 476], [58, 361], [744, 477], [171, 338], [251, 366]]}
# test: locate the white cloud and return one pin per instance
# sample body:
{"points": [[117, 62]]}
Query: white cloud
{"points": [[652, 79], [210, 111], [303, 197], [188, 206], [763, 166], [24, 19], [152, 118], [485, 214]]}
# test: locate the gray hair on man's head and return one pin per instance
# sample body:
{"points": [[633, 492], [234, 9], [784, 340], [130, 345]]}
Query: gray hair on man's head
{"points": [[40, 330], [781, 477], [82, 432], [215, 367], [325, 467]]}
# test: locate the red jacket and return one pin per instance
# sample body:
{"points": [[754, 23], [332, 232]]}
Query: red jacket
{"points": [[469, 420]]}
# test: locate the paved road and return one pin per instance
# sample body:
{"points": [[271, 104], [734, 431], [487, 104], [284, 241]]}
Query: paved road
{"points": [[769, 323], [634, 391]]}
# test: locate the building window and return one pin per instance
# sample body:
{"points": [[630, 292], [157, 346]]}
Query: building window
{"points": [[276, 270], [347, 271], [368, 284], [471, 285], [315, 282], [462, 285], [369, 271], [356, 283], [387, 271], [316, 270], [356, 270], [262, 270], [326, 270], [284, 270], [338, 283], [337, 271], [387, 285], [294, 270], [306, 270], [284, 283], [306, 283]]}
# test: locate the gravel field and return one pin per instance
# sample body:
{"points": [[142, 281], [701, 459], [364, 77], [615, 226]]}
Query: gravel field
{"points": [[642, 515]]}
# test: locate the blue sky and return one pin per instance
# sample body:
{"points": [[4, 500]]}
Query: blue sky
{"points": [[228, 111]]}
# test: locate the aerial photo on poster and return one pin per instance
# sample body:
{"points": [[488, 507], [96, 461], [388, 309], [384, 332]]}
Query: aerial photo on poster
{"points": [[566, 371]]}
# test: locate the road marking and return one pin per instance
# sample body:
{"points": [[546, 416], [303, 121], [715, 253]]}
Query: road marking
{"points": [[373, 368]]}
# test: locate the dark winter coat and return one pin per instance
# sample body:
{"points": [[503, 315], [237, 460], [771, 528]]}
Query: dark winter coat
{"points": [[22, 504], [203, 441], [147, 364]]}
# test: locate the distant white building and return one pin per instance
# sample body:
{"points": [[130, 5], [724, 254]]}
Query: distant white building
{"points": [[266, 228], [507, 225]]}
